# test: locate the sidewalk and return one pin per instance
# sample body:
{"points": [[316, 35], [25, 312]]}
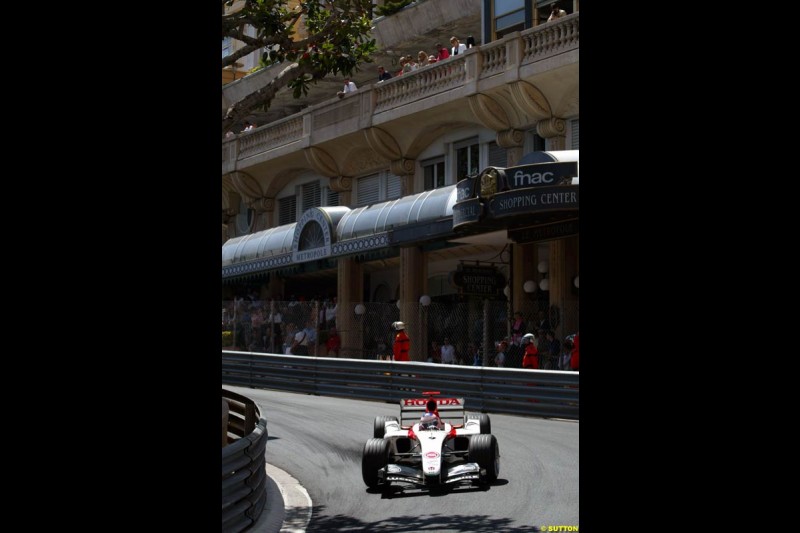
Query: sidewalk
{"points": [[288, 506]]}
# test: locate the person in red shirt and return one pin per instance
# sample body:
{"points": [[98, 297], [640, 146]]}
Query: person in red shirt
{"points": [[575, 359], [531, 357], [334, 343], [441, 52], [401, 342]]}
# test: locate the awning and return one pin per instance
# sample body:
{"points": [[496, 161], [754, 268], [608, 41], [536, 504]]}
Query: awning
{"points": [[408, 210], [262, 244]]}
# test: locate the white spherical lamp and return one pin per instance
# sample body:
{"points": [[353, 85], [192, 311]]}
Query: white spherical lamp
{"points": [[425, 300], [576, 282], [507, 291], [398, 304], [543, 267], [360, 309], [544, 284], [529, 286]]}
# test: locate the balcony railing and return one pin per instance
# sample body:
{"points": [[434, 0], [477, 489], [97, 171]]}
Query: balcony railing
{"points": [[458, 75]]}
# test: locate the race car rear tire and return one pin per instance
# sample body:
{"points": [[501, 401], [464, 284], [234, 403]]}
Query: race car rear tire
{"points": [[484, 450], [380, 428], [483, 420], [375, 457]]}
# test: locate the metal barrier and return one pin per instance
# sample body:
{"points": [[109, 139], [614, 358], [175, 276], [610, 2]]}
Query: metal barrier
{"points": [[244, 474], [496, 390]]}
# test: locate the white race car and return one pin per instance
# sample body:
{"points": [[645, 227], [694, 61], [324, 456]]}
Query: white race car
{"points": [[458, 449]]}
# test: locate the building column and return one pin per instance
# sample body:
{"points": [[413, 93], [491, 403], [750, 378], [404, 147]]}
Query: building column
{"points": [[558, 280], [569, 315], [350, 292], [413, 284], [554, 133]]}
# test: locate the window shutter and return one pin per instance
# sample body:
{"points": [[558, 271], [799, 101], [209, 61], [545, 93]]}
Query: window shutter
{"points": [[574, 136], [332, 197], [311, 195], [288, 210], [368, 189], [394, 186], [497, 155]]}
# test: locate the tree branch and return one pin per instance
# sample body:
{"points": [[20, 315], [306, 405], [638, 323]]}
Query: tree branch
{"points": [[265, 95]]}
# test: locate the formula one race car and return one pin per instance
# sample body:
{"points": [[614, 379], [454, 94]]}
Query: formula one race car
{"points": [[426, 452]]}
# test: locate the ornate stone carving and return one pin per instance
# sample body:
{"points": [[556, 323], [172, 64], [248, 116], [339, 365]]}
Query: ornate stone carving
{"points": [[246, 185], [530, 100], [510, 138], [361, 161], [488, 112], [402, 166], [321, 161], [383, 143], [262, 205], [341, 184], [230, 198], [552, 127]]}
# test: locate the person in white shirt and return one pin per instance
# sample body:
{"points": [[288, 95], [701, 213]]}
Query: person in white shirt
{"points": [[448, 353], [457, 47], [349, 87], [556, 13]]}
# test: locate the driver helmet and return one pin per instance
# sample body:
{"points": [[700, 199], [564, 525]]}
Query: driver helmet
{"points": [[397, 326], [528, 337]]}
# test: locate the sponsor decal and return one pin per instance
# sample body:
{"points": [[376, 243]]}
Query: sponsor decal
{"points": [[422, 401], [432, 455]]}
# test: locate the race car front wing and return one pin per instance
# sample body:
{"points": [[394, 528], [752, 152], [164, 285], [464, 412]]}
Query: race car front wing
{"points": [[456, 474]]}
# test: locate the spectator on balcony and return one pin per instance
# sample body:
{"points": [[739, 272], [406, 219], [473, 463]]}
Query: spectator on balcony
{"points": [[470, 42], [383, 75], [432, 59], [349, 87], [401, 62], [556, 12], [457, 47], [422, 58], [248, 126], [409, 65], [441, 52]]}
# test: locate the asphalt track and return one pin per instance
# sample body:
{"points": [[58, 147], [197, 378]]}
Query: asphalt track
{"points": [[314, 452]]}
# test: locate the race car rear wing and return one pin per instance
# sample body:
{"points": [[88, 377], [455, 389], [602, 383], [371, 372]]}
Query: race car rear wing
{"points": [[451, 410]]}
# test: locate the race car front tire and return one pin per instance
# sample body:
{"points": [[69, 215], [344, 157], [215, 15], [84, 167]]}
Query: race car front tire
{"points": [[484, 450], [483, 420], [375, 457], [380, 425]]}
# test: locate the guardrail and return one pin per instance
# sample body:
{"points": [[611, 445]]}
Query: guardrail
{"points": [[244, 475], [547, 393]]}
